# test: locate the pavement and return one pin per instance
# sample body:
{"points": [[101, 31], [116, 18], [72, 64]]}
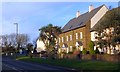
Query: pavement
{"points": [[12, 65]]}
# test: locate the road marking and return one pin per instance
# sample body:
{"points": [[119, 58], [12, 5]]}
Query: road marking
{"points": [[9, 66]]}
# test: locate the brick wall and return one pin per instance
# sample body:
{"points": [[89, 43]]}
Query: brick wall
{"points": [[101, 57]]}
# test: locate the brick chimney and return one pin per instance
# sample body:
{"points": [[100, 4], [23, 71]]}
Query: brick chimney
{"points": [[91, 8], [77, 14]]}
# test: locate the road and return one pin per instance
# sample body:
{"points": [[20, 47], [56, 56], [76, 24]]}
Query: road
{"points": [[12, 65]]}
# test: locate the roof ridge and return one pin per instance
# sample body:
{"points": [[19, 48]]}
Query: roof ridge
{"points": [[80, 20], [93, 9]]}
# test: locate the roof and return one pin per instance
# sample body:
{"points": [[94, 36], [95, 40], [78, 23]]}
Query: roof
{"points": [[95, 27], [81, 20]]}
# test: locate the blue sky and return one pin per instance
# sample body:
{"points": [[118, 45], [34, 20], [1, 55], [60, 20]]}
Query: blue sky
{"points": [[33, 15]]}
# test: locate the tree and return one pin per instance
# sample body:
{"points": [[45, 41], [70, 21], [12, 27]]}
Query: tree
{"points": [[22, 40], [30, 49], [108, 29], [12, 41], [49, 34]]}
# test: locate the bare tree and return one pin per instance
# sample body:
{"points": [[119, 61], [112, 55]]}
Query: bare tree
{"points": [[11, 40], [22, 40]]}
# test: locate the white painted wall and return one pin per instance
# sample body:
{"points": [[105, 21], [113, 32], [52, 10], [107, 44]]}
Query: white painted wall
{"points": [[40, 46], [92, 36], [96, 18]]}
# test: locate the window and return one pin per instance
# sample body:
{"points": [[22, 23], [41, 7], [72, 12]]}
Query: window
{"points": [[81, 48], [59, 40], [70, 27], [62, 39], [80, 24], [81, 36], [76, 35], [70, 37], [95, 34], [67, 38], [70, 48]]}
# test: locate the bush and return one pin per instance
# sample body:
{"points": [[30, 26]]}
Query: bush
{"points": [[92, 52], [91, 45], [70, 52], [97, 51], [84, 51]]}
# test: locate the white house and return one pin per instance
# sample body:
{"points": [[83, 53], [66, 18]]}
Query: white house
{"points": [[40, 46]]}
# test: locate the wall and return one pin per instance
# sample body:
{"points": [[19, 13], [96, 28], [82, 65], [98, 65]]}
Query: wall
{"points": [[96, 18], [98, 15], [74, 40], [40, 46], [100, 57]]}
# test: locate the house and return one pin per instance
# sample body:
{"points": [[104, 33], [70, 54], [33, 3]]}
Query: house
{"points": [[40, 45], [108, 36], [76, 33]]}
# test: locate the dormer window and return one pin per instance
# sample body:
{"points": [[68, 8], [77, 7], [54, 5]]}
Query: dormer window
{"points": [[70, 27], [80, 23]]}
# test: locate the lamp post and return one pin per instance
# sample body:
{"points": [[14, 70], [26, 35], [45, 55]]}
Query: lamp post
{"points": [[16, 37], [16, 28]]}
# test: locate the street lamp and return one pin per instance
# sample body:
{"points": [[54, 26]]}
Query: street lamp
{"points": [[16, 32], [16, 36], [16, 28]]}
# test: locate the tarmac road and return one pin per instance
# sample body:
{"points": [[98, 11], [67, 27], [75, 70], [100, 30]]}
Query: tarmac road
{"points": [[12, 65]]}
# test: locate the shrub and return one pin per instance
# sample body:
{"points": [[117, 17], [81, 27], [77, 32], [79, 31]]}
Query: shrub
{"points": [[70, 52], [84, 51], [91, 45], [97, 51], [92, 52]]}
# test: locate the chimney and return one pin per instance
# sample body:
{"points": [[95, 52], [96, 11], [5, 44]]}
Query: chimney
{"points": [[77, 14], [91, 8]]}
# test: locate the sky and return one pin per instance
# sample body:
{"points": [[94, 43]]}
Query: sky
{"points": [[31, 16]]}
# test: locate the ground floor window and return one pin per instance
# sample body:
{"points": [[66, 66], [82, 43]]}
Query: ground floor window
{"points": [[81, 48], [71, 49]]}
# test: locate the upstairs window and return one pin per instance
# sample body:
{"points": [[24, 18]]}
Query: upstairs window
{"points": [[76, 35], [59, 40], [62, 39], [67, 38], [70, 37], [81, 35]]}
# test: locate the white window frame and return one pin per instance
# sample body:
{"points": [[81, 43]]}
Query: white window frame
{"points": [[59, 40], [70, 37], [62, 39], [76, 35], [71, 49], [67, 38], [81, 35], [81, 48]]}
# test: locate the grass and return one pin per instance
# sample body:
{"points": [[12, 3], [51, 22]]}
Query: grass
{"points": [[76, 64]]}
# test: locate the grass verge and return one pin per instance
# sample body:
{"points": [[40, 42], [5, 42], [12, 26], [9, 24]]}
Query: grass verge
{"points": [[76, 64]]}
